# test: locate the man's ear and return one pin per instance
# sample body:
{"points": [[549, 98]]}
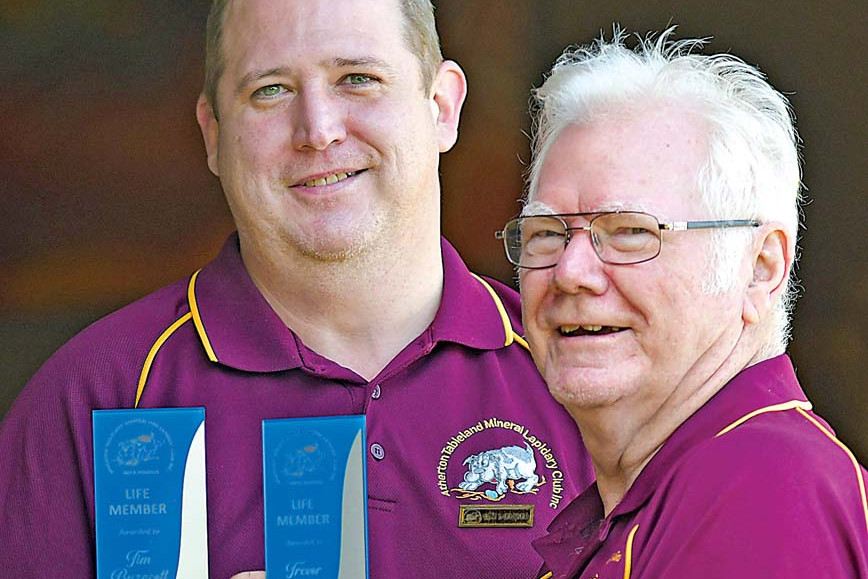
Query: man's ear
{"points": [[771, 259], [448, 92], [210, 131]]}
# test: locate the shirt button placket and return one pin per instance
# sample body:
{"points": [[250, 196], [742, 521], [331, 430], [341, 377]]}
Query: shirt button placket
{"points": [[377, 450]]}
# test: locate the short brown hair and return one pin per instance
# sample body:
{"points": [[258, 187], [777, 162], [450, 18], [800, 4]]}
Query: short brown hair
{"points": [[420, 36]]}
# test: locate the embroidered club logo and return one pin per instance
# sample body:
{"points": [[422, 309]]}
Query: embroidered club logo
{"points": [[499, 473]]}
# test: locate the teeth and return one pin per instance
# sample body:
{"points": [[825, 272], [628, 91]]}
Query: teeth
{"points": [[330, 180], [589, 328]]}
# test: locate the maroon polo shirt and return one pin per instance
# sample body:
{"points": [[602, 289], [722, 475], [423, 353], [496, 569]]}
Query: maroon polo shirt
{"points": [[752, 486], [463, 394]]}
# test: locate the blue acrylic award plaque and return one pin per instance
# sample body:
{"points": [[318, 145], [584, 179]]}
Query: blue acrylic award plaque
{"points": [[149, 490], [314, 477]]}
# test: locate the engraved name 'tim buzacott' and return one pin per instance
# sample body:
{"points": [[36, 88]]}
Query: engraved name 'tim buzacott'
{"points": [[143, 505], [135, 559], [303, 519]]}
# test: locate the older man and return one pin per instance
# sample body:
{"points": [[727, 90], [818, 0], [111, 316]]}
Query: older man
{"points": [[324, 120], [655, 253]]}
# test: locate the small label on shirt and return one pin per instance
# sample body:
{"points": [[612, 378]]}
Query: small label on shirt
{"points": [[480, 516]]}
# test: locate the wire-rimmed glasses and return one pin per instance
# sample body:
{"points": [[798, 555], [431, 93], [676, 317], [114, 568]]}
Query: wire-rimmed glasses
{"points": [[618, 237]]}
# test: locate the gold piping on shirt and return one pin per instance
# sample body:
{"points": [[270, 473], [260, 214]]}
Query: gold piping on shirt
{"points": [[143, 377], [803, 404], [508, 332], [200, 330], [628, 553], [197, 319]]}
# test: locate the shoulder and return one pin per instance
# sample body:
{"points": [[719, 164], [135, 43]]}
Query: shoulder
{"points": [[776, 489], [130, 328], [767, 485], [97, 369], [780, 446], [108, 353]]}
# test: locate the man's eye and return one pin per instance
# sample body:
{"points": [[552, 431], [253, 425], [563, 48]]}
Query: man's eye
{"points": [[542, 233], [543, 241], [633, 231], [269, 91], [358, 79]]}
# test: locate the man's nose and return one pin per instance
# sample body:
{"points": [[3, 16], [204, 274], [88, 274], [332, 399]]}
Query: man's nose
{"points": [[319, 120], [579, 267]]}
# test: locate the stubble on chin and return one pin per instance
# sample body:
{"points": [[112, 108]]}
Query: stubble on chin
{"points": [[334, 244]]}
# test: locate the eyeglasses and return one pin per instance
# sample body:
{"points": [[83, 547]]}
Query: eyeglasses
{"points": [[618, 237]]}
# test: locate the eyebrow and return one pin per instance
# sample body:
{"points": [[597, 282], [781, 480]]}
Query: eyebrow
{"points": [[537, 208], [365, 61]]}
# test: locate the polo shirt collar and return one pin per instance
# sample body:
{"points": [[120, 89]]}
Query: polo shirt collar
{"points": [[766, 384], [239, 329], [469, 314]]}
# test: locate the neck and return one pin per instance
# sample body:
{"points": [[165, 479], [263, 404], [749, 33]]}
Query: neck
{"points": [[624, 437], [359, 313]]}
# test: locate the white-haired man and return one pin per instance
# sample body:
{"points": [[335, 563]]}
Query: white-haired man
{"points": [[655, 253]]}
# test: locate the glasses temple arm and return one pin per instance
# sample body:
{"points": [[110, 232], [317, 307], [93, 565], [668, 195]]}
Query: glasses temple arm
{"points": [[685, 225]]}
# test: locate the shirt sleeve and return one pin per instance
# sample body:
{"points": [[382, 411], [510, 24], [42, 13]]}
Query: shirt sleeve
{"points": [[45, 528], [46, 462]]}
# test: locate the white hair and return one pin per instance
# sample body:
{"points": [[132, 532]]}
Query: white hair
{"points": [[752, 168]]}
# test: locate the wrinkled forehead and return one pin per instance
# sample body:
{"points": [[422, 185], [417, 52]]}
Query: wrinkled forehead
{"points": [[540, 208], [650, 161]]}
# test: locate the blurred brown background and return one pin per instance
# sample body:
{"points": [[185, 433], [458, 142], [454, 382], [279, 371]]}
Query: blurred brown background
{"points": [[106, 196]]}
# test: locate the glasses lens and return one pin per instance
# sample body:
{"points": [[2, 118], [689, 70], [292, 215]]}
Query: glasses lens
{"points": [[534, 242], [627, 237]]}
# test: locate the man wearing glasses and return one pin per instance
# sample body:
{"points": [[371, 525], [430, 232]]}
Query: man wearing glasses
{"points": [[655, 256]]}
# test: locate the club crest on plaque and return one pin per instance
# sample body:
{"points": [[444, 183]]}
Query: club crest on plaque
{"points": [[139, 446], [304, 457]]}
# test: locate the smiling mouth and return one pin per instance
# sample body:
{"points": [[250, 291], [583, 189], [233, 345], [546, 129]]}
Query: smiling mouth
{"points": [[329, 180], [588, 330]]}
